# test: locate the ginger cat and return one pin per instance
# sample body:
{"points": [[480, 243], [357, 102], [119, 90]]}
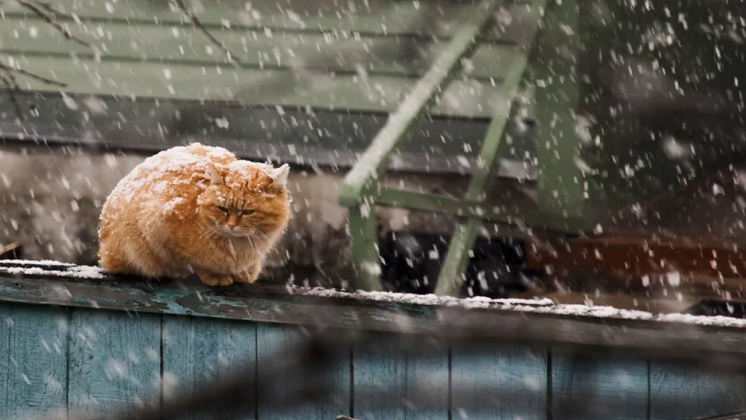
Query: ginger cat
{"points": [[194, 209]]}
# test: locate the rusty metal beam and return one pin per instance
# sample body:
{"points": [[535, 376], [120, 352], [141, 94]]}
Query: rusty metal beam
{"points": [[640, 256]]}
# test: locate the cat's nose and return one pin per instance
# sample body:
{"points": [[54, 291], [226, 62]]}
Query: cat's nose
{"points": [[232, 221]]}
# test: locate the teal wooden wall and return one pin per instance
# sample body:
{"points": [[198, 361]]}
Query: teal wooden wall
{"points": [[91, 361]]}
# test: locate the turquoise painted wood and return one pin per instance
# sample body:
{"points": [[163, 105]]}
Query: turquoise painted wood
{"points": [[389, 369], [55, 359], [684, 391], [278, 339], [115, 361], [590, 387], [6, 411], [36, 366], [511, 382], [198, 350]]}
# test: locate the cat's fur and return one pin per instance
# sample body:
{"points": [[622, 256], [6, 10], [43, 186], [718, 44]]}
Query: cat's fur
{"points": [[196, 209]]}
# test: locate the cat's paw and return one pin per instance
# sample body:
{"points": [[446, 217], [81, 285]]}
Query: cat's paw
{"points": [[246, 276], [216, 279]]}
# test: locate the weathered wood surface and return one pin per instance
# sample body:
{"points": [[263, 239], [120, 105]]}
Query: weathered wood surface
{"points": [[114, 361], [162, 57], [590, 386], [317, 81], [200, 83], [691, 391], [175, 47], [387, 18], [271, 304], [319, 138], [98, 361], [416, 384], [34, 348], [273, 340], [512, 379], [199, 350]]}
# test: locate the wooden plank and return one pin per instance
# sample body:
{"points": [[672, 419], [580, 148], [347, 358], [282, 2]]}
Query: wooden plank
{"points": [[114, 361], [632, 302], [265, 87], [273, 340], [321, 138], [686, 391], [199, 351], [593, 386], [263, 303], [407, 385], [510, 382], [382, 18], [120, 41], [11, 251], [37, 341], [5, 311]]}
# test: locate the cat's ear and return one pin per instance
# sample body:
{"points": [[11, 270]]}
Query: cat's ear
{"points": [[280, 176], [212, 173]]}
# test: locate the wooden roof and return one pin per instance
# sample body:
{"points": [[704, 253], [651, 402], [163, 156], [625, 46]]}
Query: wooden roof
{"points": [[309, 78]]}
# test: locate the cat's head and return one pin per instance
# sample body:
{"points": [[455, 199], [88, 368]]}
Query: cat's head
{"points": [[246, 200]]}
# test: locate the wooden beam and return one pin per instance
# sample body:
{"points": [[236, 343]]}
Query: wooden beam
{"points": [[57, 129], [12, 251], [62, 285], [624, 301]]}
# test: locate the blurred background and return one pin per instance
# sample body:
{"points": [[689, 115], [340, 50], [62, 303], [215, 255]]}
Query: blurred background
{"points": [[624, 129]]}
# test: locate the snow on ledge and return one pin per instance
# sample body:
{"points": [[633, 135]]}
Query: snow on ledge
{"points": [[36, 262], [70, 270], [430, 300], [538, 306]]}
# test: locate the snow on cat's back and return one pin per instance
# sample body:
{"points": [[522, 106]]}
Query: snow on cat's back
{"points": [[196, 209]]}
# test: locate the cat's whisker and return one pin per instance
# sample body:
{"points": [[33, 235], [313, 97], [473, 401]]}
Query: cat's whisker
{"points": [[210, 233], [258, 239], [258, 243], [206, 233], [262, 236]]}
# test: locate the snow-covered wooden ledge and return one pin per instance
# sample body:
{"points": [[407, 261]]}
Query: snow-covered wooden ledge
{"points": [[59, 284]]}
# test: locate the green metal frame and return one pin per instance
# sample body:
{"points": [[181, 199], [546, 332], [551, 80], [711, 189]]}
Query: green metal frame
{"points": [[361, 192], [562, 184]]}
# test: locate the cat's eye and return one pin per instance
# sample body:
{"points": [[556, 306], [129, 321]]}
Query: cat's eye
{"points": [[248, 212], [223, 209]]}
